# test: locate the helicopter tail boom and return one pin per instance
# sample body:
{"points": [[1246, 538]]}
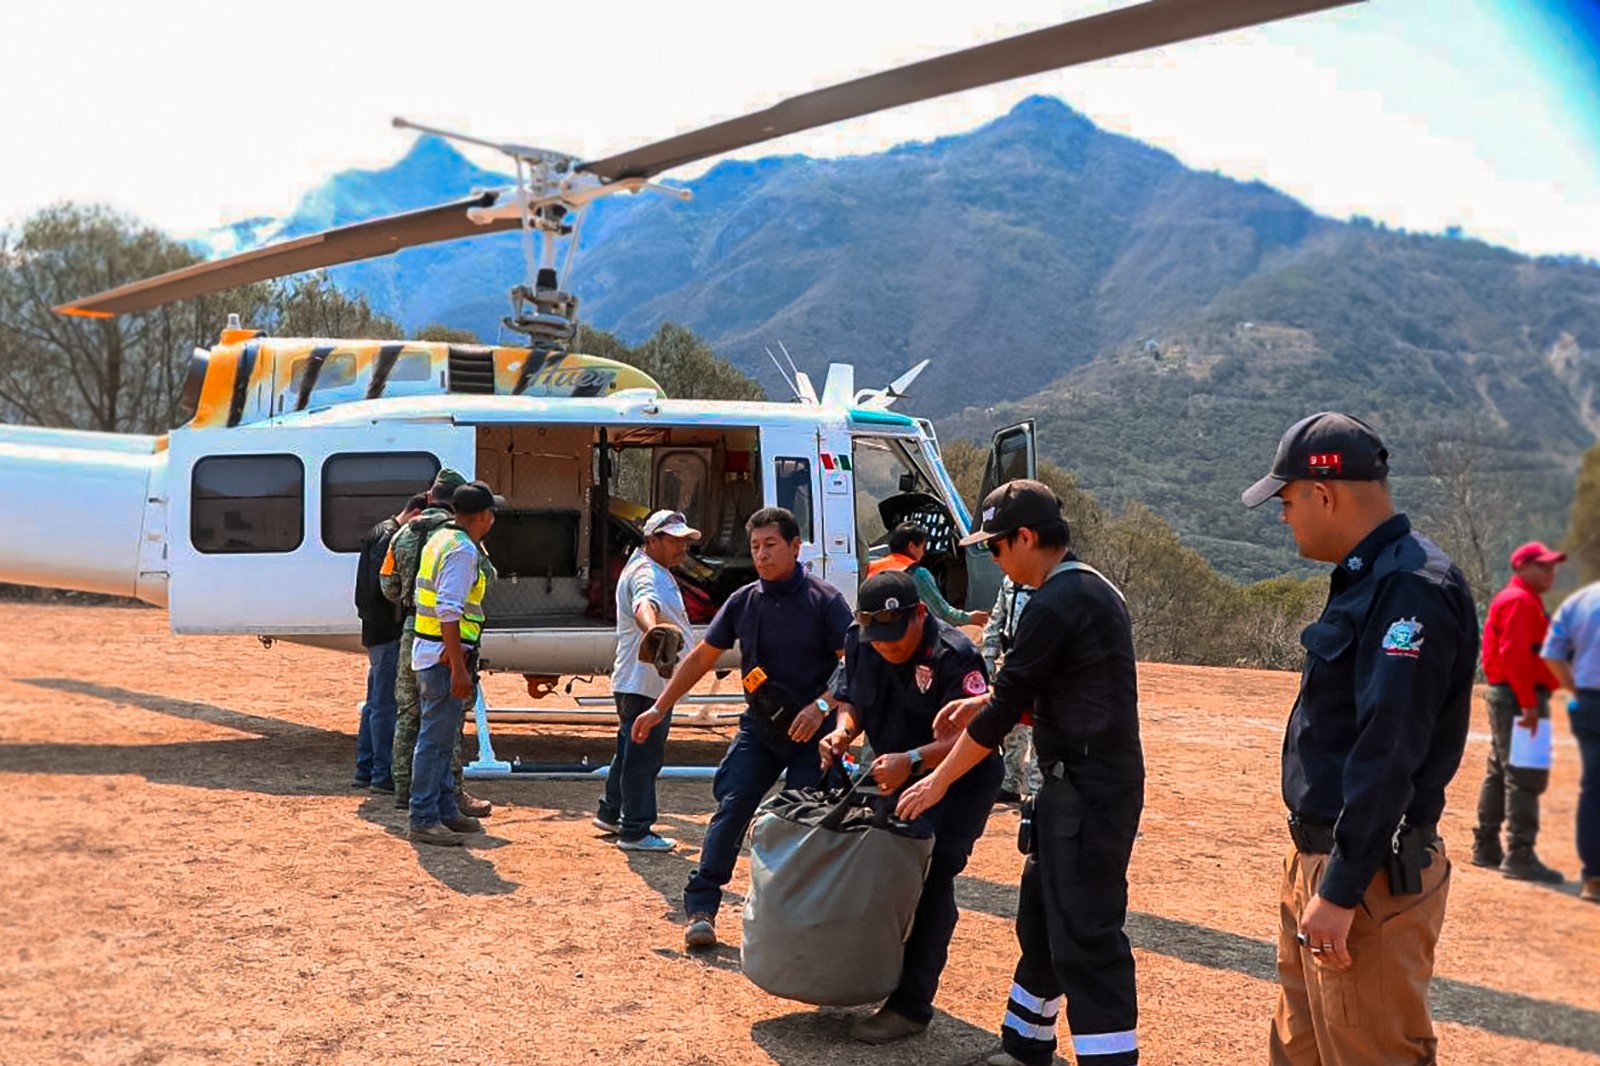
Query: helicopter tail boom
{"points": [[81, 502]]}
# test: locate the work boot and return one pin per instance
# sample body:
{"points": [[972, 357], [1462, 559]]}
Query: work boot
{"points": [[1522, 864], [464, 823], [884, 1027], [701, 932], [472, 805], [1486, 849], [1590, 890], [402, 798], [434, 834]]}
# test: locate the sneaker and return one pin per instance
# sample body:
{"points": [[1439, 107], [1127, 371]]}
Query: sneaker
{"points": [[700, 932], [1590, 890], [1523, 865], [648, 842], [434, 834], [884, 1027], [609, 828], [386, 785], [473, 806]]}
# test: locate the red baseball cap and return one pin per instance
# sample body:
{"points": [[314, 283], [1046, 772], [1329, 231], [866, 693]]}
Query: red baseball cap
{"points": [[1536, 551]]}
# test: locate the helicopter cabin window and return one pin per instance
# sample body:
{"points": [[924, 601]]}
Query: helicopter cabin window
{"points": [[359, 490], [336, 372], [247, 503], [412, 366], [794, 491]]}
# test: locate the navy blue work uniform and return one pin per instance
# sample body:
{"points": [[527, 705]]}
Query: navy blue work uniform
{"points": [[793, 630], [1375, 736], [895, 705], [1072, 663]]}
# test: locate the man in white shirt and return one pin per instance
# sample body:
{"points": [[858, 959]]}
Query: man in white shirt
{"points": [[647, 597]]}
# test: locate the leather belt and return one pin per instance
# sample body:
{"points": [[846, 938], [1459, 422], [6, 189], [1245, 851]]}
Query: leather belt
{"points": [[1310, 838]]}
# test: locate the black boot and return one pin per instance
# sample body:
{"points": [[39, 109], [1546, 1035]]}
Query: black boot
{"points": [[1486, 849], [1521, 864]]}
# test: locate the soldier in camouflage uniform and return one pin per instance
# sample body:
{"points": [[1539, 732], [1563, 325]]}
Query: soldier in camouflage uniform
{"points": [[399, 585]]}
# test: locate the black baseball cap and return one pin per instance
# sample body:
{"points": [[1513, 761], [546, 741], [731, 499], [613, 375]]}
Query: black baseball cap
{"points": [[474, 498], [1325, 447], [885, 604], [1014, 505]]}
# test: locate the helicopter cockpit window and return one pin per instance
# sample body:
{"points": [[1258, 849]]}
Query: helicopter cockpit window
{"points": [[794, 491], [247, 503], [883, 467], [359, 490]]}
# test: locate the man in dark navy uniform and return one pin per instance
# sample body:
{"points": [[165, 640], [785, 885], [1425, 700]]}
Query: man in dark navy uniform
{"points": [[1375, 736], [1072, 664], [901, 665], [790, 628]]}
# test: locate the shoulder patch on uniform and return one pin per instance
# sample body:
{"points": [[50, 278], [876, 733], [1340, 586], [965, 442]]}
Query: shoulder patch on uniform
{"points": [[974, 683], [1404, 638]]}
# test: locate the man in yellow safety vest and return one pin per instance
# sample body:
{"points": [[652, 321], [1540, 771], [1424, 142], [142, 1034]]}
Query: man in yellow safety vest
{"points": [[449, 622]]}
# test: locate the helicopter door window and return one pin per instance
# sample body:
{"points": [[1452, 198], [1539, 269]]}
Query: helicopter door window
{"points": [[794, 491], [247, 503], [359, 490]]}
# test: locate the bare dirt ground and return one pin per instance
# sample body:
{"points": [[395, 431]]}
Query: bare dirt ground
{"points": [[188, 877]]}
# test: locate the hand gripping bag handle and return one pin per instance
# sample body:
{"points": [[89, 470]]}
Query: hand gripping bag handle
{"points": [[835, 817]]}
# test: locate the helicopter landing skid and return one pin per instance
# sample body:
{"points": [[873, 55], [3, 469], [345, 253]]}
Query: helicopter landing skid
{"points": [[488, 767]]}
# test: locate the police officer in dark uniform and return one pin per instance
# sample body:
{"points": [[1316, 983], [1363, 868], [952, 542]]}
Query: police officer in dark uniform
{"points": [[1375, 736], [790, 628], [1072, 664], [901, 665]]}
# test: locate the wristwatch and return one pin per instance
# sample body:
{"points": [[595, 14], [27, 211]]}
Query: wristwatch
{"points": [[915, 755]]}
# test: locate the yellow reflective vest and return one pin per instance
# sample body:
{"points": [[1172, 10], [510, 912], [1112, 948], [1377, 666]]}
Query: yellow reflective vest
{"points": [[445, 540]]}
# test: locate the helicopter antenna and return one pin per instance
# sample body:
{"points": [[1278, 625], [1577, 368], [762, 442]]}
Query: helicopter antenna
{"points": [[784, 374], [789, 357]]}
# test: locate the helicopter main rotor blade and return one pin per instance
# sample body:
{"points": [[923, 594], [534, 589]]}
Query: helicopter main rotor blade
{"points": [[362, 240], [1114, 33]]}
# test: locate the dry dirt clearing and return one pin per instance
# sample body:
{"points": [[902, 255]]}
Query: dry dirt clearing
{"points": [[187, 876]]}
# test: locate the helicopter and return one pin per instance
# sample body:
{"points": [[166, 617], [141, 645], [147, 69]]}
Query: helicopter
{"points": [[246, 518]]}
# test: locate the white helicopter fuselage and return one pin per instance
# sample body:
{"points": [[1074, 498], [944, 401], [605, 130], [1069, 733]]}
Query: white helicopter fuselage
{"points": [[253, 529]]}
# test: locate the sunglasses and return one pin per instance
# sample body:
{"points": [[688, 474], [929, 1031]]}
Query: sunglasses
{"points": [[868, 618]]}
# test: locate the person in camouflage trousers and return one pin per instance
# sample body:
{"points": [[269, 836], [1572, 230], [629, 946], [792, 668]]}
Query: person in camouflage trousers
{"points": [[398, 583]]}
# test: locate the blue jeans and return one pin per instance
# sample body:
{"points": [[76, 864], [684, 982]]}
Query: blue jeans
{"points": [[433, 787], [957, 822], [1586, 729], [375, 739], [752, 765], [630, 798]]}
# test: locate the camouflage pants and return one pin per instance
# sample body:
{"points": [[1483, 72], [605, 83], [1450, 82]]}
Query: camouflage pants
{"points": [[408, 720], [1020, 757]]}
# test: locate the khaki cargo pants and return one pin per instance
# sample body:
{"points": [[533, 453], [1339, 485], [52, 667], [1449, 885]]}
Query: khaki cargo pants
{"points": [[1376, 1013]]}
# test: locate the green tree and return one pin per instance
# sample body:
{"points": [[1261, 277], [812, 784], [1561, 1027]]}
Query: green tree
{"points": [[309, 305], [682, 363], [443, 334], [1583, 529], [121, 374]]}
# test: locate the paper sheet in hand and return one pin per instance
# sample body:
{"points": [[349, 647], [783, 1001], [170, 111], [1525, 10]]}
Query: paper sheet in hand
{"points": [[1531, 751]]}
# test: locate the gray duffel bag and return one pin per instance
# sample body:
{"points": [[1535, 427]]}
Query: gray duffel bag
{"points": [[834, 884]]}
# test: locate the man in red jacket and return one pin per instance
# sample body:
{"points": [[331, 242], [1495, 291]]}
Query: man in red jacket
{"points": [[1520, 687]]}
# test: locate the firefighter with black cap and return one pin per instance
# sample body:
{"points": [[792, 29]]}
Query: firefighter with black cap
{"points": [[1375, 735], [1072, 664], [901, 665]]}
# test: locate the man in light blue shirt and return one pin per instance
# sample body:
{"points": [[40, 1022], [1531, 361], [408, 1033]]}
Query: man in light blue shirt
{"points": [[1572, 648], [647, 596]]}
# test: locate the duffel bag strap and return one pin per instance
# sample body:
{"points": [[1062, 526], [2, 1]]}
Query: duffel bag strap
{"points": [[835, 817]]}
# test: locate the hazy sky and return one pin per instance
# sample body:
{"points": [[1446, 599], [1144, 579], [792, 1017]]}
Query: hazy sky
{"points": [[1420, 113]]}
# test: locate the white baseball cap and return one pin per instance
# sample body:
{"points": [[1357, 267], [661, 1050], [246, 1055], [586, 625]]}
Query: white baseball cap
{"points": [[672, 523]]}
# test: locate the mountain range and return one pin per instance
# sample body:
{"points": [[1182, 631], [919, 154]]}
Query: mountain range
{"points": [[1162, 324]]}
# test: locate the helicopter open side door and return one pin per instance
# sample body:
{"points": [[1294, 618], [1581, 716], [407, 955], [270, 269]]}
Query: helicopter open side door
{"points": [[264, 524], [790, 470], [1013, 455]]}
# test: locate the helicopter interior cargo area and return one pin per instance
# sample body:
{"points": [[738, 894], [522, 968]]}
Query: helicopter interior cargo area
{"points": [[577, 498]]}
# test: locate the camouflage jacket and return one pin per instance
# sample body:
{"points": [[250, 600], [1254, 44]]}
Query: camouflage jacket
{"points": [[398, 579]]}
